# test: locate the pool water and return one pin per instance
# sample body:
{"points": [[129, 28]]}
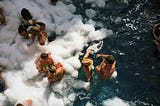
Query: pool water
{"points": [[138, 68]]}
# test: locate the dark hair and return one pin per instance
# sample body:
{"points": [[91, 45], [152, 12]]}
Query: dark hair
{"points": [[52, 69], [21, 29], [44, 55], [110, 59], [26, 15], [19, 104], [54, 1]]}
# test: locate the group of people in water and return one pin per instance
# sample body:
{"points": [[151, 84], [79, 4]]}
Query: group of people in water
{"points": [[105, 69], [47, 68], [31, 29]]}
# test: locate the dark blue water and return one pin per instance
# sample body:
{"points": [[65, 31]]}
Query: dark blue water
{"points": [[131, 43]]}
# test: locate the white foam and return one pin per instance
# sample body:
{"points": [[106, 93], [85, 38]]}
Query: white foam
{"points": [[54, 101], [21, 90], [22, 78], [90, 13], [89, 104], [116, 101], [81, 84], [2, 99], [118, 20], [71, 97], [114, 75]]}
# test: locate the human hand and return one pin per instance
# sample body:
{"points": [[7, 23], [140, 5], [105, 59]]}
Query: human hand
{"points": [[88, 50], [98, 55]]}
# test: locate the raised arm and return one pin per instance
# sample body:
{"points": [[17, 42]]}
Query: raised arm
{"points": [[102, 55], [87, 54], [42, 25]]}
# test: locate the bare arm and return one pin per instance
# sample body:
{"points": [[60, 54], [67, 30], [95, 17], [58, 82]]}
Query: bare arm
{"points": [[113, 67], [87, 54], [102, 55], [42, 25]]}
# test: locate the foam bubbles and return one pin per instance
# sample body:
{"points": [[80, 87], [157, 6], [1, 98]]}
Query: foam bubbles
{"points": [[115, 102], [90, 13], [2, 99], [72, 35]]}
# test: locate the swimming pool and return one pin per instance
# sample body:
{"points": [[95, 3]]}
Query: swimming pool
{"points": [[137, 66]]}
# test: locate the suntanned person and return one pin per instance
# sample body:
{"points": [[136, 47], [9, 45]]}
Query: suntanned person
{"points": [[107, 67]]}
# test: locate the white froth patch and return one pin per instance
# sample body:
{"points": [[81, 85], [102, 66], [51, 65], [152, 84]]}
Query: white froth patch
{"points": [[89, 104], [118, 20], [72, 97], [29, 70], [90, 13], [21, 90], [9, 32], [54, 101], [22, 78], [81, 84], [115, 102], [69, 69], [74, 61], [114, 75], [2, 99]]}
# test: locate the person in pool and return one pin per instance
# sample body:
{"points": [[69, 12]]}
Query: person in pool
{"points": [[106, 67], [87, 65], [27, 102], [156, 35], [3, 68], [54, 1], [2, 17], [26, 16], [31, 28], [37, 30], [56, 73], [44, 63]]}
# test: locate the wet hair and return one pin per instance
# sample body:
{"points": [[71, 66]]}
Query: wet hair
{"points": [[26, 15], [86, 62], [21, 29], [110, 59], [19, 104], [53, 69], [54, 1], [44, 55]]}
